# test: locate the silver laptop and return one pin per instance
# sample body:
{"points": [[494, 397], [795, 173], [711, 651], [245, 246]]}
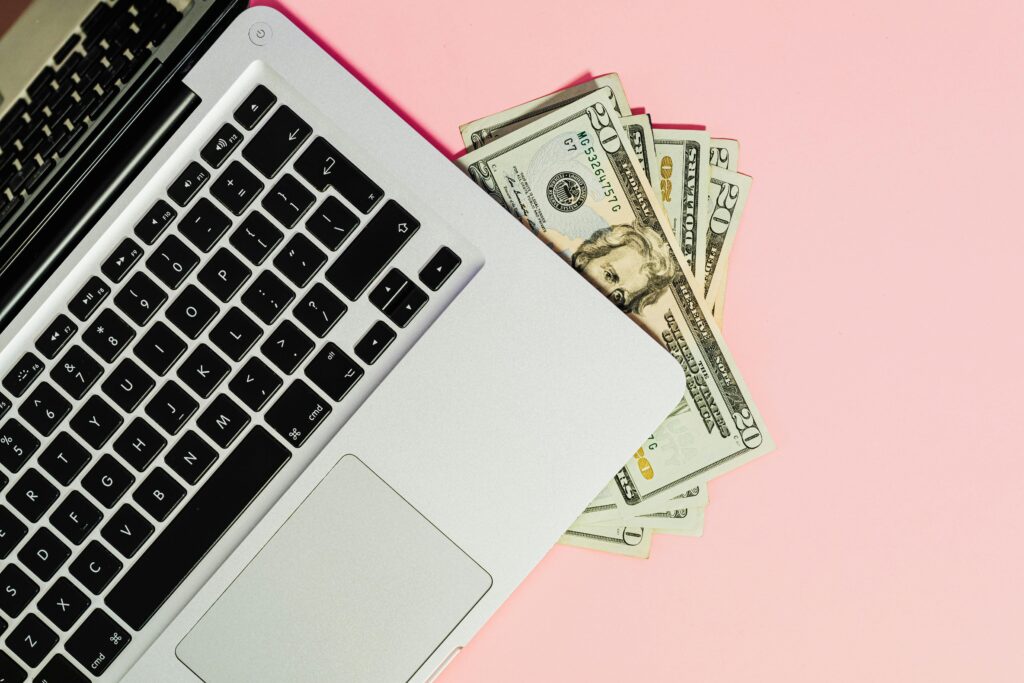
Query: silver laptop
{"points": [[302, 404]]}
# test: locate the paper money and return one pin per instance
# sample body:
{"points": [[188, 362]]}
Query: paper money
{"points": [[725, 153], [641, 136], [571, 177], [683, 167], [629, 541], [728, 197], [476, 134]]}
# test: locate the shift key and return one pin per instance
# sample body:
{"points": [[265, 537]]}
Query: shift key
{"points": [[297, 413]]}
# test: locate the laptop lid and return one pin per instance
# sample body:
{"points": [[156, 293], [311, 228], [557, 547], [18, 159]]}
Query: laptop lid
{"points": [[107, 158]]}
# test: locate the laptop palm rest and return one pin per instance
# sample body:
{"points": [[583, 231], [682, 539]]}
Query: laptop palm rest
{"points": [[355, 586]]}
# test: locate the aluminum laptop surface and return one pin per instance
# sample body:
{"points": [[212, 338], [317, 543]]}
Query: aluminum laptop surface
{"points": [[481, 431]]}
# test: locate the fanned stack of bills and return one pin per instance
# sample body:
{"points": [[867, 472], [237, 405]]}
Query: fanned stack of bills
{"points": [[648, 214]]}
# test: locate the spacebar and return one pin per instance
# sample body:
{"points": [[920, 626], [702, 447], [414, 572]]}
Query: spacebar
{"points": [[205, 517]]}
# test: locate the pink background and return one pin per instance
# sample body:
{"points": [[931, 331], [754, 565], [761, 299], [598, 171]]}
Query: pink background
{"points": [[873, 306]]}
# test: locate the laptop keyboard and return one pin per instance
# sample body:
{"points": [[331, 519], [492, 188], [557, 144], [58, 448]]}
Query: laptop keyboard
{"points": [[71, 92], [130, 442]]}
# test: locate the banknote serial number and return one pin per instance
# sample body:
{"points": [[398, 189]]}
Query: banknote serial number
{"points": [[581, 143]]}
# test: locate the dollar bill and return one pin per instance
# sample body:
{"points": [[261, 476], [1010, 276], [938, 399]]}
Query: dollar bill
{"points": [[718, 307], [690, 524], [640, 134], [725, 153], [629, 541], [695, 496], [476, 134], [727, 198], [573, 179], [683, 166]]}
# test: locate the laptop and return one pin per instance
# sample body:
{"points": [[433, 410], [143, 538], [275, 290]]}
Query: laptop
{"points": [[283, 395]]}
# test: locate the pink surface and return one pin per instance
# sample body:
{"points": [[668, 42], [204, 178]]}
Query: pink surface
{"points": [[873, 307]]}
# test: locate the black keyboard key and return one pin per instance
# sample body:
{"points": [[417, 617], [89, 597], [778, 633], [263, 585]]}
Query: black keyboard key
{"points": [[108, 335], [12, 530], [160, 348], [16, 445], [63, 604], [64, 458], [203, 370], [235, 333], [332, 223], [224, 274], [59, 670], [89, 298], [373, 343], [155, 222], [76, 372], [127, 530], [171, 407], [323, 166], [255, 383], [276, 141], [256, 237], [44, 409], [297, 413], [192, 311], [299, 260], [95, 566], [197, 526], [5, 405], [32, 640], [10, 671], [172, 262], [75, 517], [236, 187], [140, 298], [56, 336], [267, 297], [121, 260], [254, 107], [107, 481], [191, 180], [43, 554], [287, 347], [223, 420], [96, 421], [221, 145], [190, 457], [158, 494], [16, 590], [319, 310], [127, 385], [333, 371], [288, 200], [139, 443], [41, 83], [372, 249], [204, 224], [97, 642], [397, 297], [65, 49], [439, 268], [32, 495], [23, 374]]}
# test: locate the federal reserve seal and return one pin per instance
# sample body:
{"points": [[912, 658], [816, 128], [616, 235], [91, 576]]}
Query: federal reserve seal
{"points": [[567, 191]]}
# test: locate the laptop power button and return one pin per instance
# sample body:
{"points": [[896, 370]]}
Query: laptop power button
{"points": [[260, 33], [443, 665]]}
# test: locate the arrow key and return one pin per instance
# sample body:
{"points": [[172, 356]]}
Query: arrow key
{"points": [[374, 342]]}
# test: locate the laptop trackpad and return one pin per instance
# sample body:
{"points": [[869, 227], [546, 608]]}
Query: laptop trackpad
{"points": [[355, 586]]}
